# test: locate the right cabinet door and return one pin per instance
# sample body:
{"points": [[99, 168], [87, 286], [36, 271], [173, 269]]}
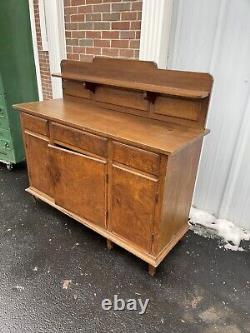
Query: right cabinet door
{"points": [[133, 198]]}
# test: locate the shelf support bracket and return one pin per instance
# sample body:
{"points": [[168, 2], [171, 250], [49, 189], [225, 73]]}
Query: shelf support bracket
{"points": [[90, 86], [150, 96]]}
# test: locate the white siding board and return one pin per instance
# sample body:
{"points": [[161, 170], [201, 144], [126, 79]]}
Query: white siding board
{"points": [[214, 36]]}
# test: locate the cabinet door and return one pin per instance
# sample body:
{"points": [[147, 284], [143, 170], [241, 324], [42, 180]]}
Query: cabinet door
{"points": [[4, 123], [133, 198], [37, 155], [80, 184]]}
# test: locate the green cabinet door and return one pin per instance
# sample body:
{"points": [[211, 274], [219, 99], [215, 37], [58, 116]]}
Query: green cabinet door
{"points": [[17, 75]]}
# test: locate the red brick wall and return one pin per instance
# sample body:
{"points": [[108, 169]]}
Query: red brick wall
{"points": [[102, 27], [108, 28], [43, 57]]}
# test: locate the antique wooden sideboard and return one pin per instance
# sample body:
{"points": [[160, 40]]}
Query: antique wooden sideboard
{"points": [[119, 152]]}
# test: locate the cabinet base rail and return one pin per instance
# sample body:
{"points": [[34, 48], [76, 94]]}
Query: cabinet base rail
{"points": [[112, 239]]}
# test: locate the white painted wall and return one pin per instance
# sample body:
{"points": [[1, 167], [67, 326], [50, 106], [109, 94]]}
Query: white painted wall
{"points": [[155, 31], [214, 36], [53, 40], [35, 49], [54, 17]]}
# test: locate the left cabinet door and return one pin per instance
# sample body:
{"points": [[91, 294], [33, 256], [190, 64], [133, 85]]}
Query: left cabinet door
{"points": [[38, 162], [80, 184]]}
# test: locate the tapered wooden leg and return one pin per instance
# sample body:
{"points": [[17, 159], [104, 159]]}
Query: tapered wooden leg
{"points": [[151, 270], [110, 244]]}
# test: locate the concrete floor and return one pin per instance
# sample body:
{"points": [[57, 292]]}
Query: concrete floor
{"points": [[198, 288]]}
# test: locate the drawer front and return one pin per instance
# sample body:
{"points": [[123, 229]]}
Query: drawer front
{"points": [[5, 134], [5, 142], [35, 124], [2, 101], [136, 158], [3, 118], [79, 139], [6, 151], [5, 147]]}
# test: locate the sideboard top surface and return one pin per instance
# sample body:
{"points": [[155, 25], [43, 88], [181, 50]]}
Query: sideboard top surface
{"points": [[154, 135]]}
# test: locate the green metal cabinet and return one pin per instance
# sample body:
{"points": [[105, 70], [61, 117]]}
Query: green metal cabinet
{"points": [[17, 75]]}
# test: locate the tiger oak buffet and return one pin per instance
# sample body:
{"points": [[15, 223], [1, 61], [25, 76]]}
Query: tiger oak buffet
{"points": [[119, 152]]}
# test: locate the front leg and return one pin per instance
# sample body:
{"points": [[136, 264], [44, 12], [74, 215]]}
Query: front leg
{"points": [[110, 244], [151, 270]]}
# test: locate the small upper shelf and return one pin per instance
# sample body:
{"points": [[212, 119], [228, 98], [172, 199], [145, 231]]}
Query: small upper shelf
{"points": [[138, 75]]}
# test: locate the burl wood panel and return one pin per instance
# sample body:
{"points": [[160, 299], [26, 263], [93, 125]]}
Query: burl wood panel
{"points": [[132, 206], [39, 168], [79, 139], [79, 184], [136, 158], [77, 89], [178, 108], [177, 197], [35, 124], [123, 97]]}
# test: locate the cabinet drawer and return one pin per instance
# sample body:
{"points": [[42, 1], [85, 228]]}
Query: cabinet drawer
{"points": [[5, 147], [35, 124], [5, 134], [136, 158], [6, 151], [5, 141], [3, 118], [79, 139], [2, 101]]}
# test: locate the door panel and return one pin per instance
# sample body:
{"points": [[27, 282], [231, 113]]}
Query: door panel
{"points": [[4, 124], [80, 184], [132, 206], [37, 155]]}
